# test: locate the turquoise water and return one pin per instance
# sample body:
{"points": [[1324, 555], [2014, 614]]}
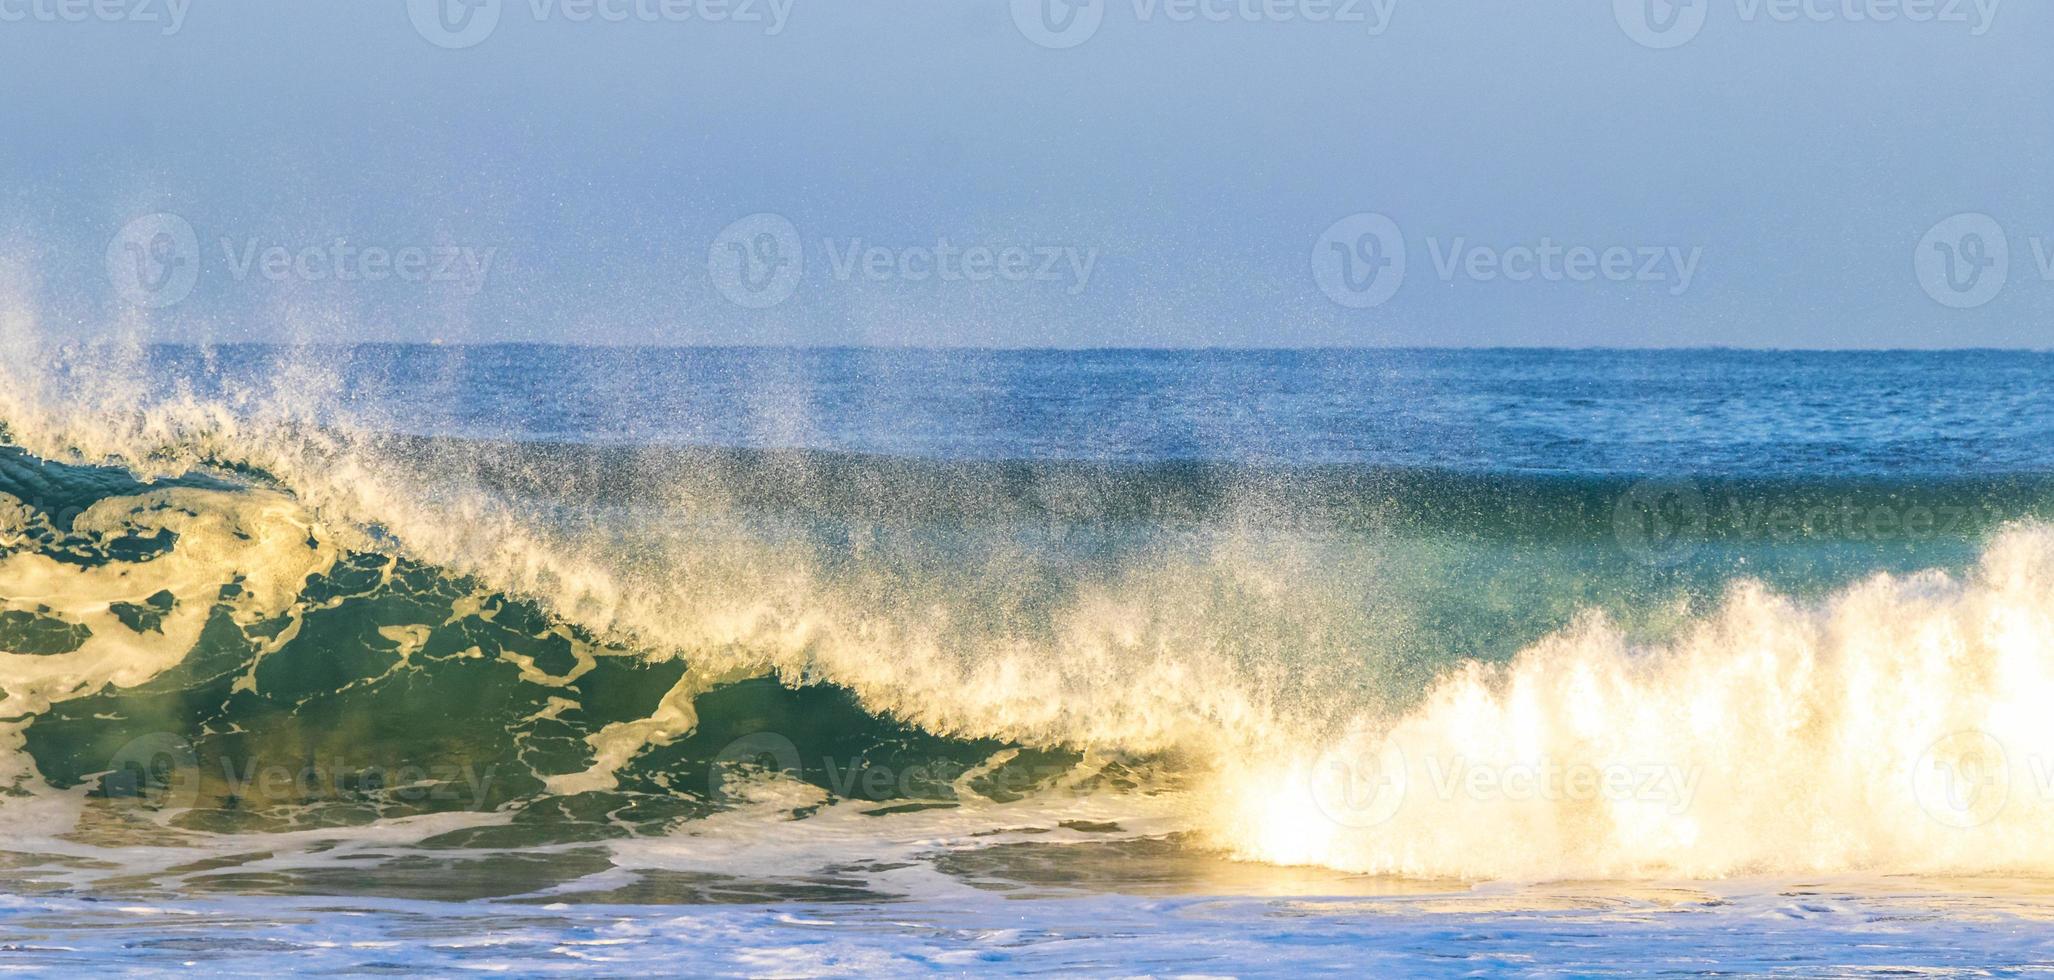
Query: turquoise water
{"points": [[802, 662]]}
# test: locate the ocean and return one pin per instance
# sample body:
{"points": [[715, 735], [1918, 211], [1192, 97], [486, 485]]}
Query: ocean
{"points": [[806, 662]]}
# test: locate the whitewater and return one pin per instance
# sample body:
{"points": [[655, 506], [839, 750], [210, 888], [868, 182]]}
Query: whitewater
{"points": [[625, 663]]}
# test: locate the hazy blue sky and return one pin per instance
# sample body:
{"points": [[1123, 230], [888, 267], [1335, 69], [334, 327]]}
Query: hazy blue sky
{"points": [[1168, 181]]}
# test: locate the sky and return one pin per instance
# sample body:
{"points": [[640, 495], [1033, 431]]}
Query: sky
{"points": [[1029, 173]]}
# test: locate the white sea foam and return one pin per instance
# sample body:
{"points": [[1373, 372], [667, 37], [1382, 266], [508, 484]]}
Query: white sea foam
{"points": [[261, 541], [1899, 725]]}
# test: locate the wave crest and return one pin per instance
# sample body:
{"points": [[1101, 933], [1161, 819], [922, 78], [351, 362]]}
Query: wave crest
{"points": [[1866, 728]]}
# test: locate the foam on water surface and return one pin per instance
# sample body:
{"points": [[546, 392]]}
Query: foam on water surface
{"points": [[260, 644]]}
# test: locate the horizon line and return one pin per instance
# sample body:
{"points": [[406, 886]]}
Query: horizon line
{"points": [[1123, 349]]}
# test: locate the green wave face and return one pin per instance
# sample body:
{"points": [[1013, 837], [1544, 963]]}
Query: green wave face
{"points": [[385, 687], [391, 689]]}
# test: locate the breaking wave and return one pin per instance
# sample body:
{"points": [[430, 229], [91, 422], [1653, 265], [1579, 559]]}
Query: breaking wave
{"points": [[1395, 672]]}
